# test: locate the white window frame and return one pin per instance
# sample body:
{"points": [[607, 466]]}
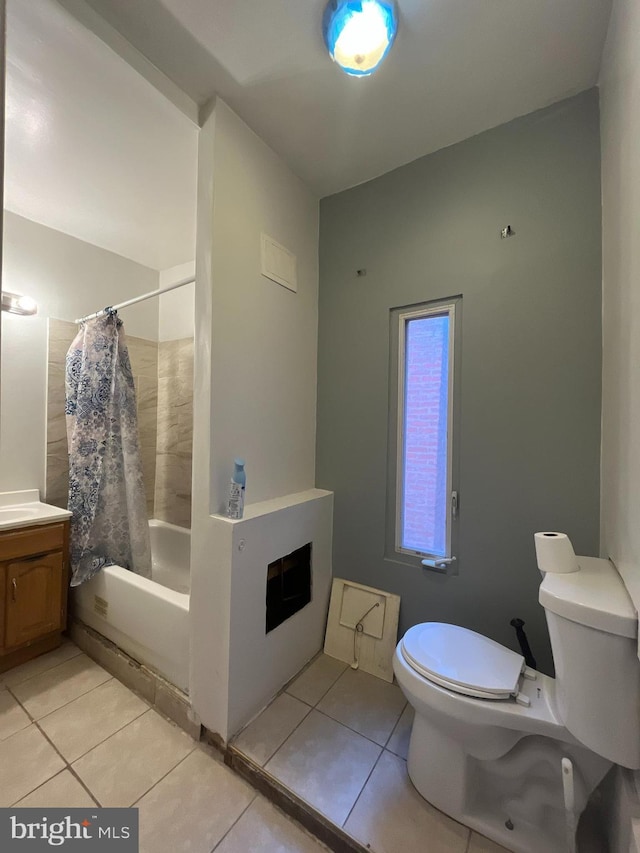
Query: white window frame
{"points": [[435, 310]]}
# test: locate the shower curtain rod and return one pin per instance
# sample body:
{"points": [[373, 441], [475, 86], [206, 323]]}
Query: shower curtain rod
{"points": [[136, 299]]}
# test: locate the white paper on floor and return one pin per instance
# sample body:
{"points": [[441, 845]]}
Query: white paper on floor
{"points": [[362, 629]]}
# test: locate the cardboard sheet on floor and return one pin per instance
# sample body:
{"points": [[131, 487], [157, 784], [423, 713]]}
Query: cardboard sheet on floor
{"points": [[362, 628]]}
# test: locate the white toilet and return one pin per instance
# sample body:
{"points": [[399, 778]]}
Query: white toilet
{"points": [[489, 734]]}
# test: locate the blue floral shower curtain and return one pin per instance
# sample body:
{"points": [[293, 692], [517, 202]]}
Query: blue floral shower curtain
{"points": [[109, 524]]}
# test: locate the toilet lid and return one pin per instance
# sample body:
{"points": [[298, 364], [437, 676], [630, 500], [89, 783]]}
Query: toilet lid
{"points": [[462, 661]]}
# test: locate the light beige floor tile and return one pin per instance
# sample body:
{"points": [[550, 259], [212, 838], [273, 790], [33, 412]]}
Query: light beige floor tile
{"points": [[123, 768], [326, 764], [49, 691], [84, 723], [12, 717], [311, 685], [27, 759], [365, 703], [192, 807], [391, 815], [271, 728], [398, 743], [480, 844], [264, 828], [39, 665], [62, 792]]}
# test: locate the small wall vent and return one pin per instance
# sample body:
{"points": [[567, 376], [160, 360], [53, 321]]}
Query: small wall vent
{"points": [[278, 263]]}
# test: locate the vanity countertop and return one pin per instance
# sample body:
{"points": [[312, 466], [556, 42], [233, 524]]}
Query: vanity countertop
{"points": [[25, 509]]}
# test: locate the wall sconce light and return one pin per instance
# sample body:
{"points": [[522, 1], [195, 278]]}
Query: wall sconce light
{"points": [[15, 303], [359, 33]]}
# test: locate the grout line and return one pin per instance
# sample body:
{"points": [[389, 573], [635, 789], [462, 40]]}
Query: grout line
{"points": [[44, 671], [468, 847], [82, 782], [65, 705], [386, 743], [16, 732], [38, 786], [294, 806], [355, 731], [285, 689], [67, 766], [266, 708], [295, 729], [104, 740], [381, 748], [240, 816], [164, 776], [344, 823], [333, 683], [41, 785], [48, 739], [329, 717], [297, 726]]}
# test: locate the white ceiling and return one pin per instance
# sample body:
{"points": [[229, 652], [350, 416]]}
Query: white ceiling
{"points": [[458, 67], [92, 149]]}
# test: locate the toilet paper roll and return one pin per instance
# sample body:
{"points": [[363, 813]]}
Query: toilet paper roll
{"points": [[555, 553]]}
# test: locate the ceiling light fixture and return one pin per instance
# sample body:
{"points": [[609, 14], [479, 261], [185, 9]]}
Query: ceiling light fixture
{"points": [[359, 33], [15, 303]]}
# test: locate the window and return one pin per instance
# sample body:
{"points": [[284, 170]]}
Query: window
{"points": [[425, 503]]}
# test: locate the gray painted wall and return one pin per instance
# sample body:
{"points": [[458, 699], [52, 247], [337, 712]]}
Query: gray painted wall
{"points": [[531, 357]]}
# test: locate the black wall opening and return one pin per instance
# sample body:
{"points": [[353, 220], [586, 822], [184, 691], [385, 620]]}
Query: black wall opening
{"points": [[288, 586]]}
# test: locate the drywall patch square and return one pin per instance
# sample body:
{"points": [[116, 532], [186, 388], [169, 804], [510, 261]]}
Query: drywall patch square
{"points": [[371, 647]]}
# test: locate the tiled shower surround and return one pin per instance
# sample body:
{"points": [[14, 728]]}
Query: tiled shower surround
{"points": [[163, 375], [175, 432]]}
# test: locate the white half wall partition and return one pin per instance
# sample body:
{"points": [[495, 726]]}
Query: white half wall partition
{"points": [[259, 663], [620, 131]]}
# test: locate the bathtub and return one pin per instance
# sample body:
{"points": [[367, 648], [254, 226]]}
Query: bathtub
{"points": [[148, 619]]}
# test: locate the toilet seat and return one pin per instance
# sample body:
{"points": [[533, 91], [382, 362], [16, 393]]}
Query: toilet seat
{"points": [[462, 661]]}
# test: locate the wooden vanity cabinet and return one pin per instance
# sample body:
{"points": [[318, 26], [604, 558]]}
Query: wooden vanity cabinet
{"points": [[34, 582]]}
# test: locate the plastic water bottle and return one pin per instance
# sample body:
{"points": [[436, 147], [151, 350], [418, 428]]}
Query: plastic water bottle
{"points": [[235, 506]]}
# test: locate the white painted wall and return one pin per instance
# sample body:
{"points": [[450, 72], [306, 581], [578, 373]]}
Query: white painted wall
{"points": [[68, 278], [620, 128], [177, 308], [255, 393], [92, 149], [210, 579], [264, 337]]}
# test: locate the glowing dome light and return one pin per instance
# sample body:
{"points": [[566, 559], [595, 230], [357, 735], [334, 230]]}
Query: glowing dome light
{"points": [[359, 33]]}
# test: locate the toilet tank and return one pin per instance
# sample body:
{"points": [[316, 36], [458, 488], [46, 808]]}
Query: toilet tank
{"points": [[593, 628]]}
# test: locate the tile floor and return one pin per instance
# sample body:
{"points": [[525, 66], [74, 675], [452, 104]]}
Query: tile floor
{"points": [[338, 738], [73, 736]]}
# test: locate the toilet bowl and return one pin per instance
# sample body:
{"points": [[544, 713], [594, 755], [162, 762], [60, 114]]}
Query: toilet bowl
{"points": [[489, 734]]}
